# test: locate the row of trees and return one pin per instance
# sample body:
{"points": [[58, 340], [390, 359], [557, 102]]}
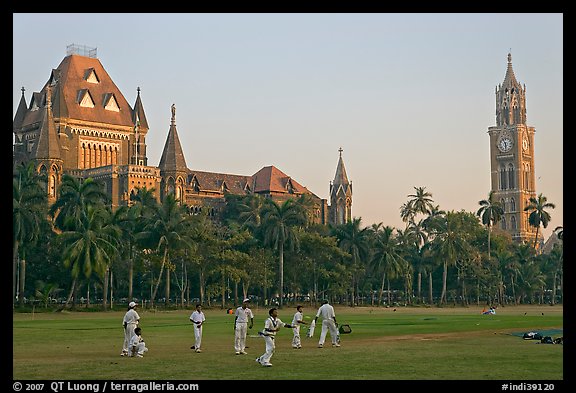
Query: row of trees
{"points": [[268, 249]]}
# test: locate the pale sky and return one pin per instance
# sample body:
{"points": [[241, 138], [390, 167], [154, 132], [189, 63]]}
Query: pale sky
{"points": [[408, 97]]}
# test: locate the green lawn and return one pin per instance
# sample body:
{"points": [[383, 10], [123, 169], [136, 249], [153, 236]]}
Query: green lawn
{"points": [[406, 344]]}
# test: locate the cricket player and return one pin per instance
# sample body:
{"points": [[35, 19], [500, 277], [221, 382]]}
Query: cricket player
{"points": [[271, 326], [296, 322], [197, 318], [137, 345], [243, 320], [326, 312], [131, 320]]}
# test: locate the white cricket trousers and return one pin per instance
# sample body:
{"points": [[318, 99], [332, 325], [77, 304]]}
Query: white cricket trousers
{"points": [[240, 336], [296, 343], [270, 345], [328, 324], [140, 349], [128, 333], [197, 336]]}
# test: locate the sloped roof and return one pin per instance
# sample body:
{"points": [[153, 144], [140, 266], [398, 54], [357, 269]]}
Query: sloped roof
{"points": [[20, 112], [272, 179], [71, 78], [173, 156], [47, 145], [213, 182]]}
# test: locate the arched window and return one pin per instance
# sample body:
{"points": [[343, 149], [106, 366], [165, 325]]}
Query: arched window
{"points": [[513, 222], [504, 223], [503, 182], [503, 203], [511, 184], [512, 205]]}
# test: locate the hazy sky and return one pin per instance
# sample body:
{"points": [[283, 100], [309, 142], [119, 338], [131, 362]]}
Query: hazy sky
{"points": [[408, 97]]}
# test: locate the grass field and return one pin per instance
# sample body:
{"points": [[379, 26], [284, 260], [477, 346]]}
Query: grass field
{"points": [[406, 344]]}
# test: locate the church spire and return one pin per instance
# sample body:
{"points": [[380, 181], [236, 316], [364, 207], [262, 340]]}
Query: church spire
{"points": [[172, 156], [20, 112], [340, 195], [340, 178], [510, 99]]}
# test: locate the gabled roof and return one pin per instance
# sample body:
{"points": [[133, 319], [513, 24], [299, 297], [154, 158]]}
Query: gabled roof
{"points": [[70, 77], [219, 182], [271, 179]]}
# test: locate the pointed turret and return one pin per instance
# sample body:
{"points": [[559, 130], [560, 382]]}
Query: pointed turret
{"points": [[138, 114], [510, 99], [172, 155], [341, 195], [20, 112], [47, 146]]}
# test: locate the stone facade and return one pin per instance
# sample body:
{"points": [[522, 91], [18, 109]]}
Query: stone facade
{"points": [[512, 158], [81, 124]]}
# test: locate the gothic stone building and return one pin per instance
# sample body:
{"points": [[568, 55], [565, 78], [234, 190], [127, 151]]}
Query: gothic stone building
{"points": [[512, 158], [80, 123]]}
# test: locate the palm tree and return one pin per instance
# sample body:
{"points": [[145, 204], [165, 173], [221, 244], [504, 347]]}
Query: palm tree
{"points": [[449, 244], [166, 230], [90, 246], [387, 258], [354, 241], [421, 201], [538, 214], [278, 222], [491, 212], [74, 196], [28, 209]]}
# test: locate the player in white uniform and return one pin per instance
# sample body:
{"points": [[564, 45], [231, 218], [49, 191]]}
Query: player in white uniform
{"points": [[326, 311], [137, 345], [296, 322], [243, 320], [130, 321], [271, 326], [197, 318]]}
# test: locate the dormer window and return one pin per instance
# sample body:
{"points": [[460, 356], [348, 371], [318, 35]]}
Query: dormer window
{"points": [[85, 99], [110, 103], [91, 76]]}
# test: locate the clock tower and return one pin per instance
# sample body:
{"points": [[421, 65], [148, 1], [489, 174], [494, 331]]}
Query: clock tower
{"points": [[512, 157]]}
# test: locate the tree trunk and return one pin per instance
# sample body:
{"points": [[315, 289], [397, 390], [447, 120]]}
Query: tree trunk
{"points": [[444, 277], [14, 269], [159, 277], [167, 289], [105, 289], [281, 251], [554, 288], [381, 290], [419, 280], [69, 296], [22, 281], [130, 273], [431, 300]]}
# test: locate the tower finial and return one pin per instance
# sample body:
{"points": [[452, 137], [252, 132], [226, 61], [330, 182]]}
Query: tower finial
{"points": [[173, 114], [510, 56], [23, 89], [138, 90], [340, 151]]}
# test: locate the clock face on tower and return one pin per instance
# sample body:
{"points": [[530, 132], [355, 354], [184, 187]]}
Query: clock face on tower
{"points": [[525, 144], [505, 144]]}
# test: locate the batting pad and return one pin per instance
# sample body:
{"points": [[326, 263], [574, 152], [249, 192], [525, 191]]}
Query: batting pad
{"points": [[345, 329]]}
